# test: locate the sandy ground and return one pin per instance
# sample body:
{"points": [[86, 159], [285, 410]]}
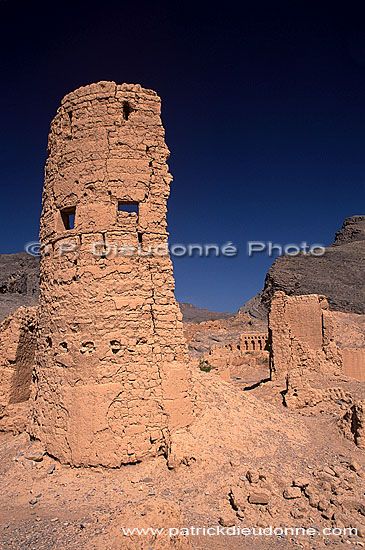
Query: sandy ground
{"points": [[46, 505]]}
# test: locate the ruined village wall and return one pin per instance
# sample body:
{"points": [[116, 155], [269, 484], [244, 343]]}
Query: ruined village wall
{"points": [[295, 331], [17, 356]]}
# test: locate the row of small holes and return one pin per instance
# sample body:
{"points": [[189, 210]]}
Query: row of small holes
{"points": [[87, 347]]}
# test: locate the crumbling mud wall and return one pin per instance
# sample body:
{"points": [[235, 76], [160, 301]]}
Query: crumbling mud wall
{"points": [[254, 342], [353, 423], [303, 331], [239, 351], [310, 361], [17, 351], [354, 363], [346, 332], [295, 331], [111, 358]]}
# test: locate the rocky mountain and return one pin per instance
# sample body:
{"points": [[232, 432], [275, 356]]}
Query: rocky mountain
{"points": [[193, 314], [19, 274], [19, 282], [338, 274]]}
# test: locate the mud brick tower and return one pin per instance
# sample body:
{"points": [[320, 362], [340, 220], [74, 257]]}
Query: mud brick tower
{"points": [[112, 381]]}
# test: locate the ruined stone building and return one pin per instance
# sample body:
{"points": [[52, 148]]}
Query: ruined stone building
{"points": [[312, 354], [303, 331], [239, 351], [112, 380], [253, 342]]}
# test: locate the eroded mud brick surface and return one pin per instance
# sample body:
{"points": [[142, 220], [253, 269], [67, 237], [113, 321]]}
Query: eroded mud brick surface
{"points": [[111, 360]]}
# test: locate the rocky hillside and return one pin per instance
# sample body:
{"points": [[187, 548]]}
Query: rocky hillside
{"points": [[19, 282], [19, 274], [338, 274], [193, 314]]}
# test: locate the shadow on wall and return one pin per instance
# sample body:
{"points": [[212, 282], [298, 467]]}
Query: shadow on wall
{"points": [[20, 388]]}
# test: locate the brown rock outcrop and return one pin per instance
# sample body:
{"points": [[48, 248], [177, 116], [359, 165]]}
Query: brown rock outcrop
{"points": [[111, 358], [17, 350]]}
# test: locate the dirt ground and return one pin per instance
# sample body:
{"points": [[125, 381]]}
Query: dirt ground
{"points": [[239, 446]]}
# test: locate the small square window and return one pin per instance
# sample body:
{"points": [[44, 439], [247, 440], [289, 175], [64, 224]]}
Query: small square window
{"points": [[129, 207], [68, 217]]}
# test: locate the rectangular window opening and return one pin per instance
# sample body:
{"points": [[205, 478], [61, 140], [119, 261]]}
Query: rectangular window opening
{"points": [[68, 217], [130, 207]]}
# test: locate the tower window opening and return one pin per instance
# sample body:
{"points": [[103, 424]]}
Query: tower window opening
{"points": [[68, 217], [127, 109], [130, 207]]}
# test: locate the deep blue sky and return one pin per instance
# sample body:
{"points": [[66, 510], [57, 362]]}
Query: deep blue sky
{"points": [[263, 109]]}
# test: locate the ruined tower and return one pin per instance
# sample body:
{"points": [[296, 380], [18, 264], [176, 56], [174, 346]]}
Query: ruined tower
{"points": [[111, 360]]}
